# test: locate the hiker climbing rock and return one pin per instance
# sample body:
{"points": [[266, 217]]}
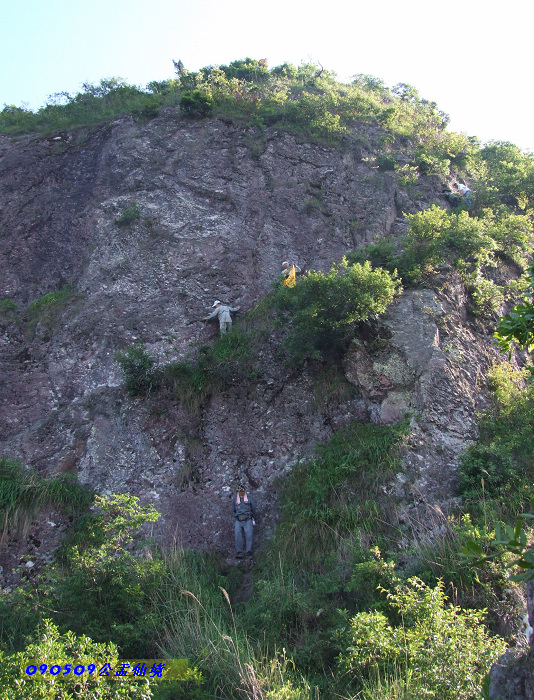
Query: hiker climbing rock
{"points": [[289, 272], [452, 195], [287, 267], [244, 511], [222, 311], [465, 193]]}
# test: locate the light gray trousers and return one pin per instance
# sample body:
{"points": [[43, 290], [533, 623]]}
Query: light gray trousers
{"points": [[243, 530]]}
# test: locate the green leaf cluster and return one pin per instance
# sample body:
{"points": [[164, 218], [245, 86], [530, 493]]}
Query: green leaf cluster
{"points": [[506, 176], [474, 245], [323, 308], [100, 568], [517, 327], [138, 371], [515, 541], [196, 103], [49, 647], [128, 215], [23, 493], [440, 651]]}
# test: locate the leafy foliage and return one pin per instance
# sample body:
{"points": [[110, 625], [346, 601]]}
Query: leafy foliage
{"points": [[443, 652], [473, 245], [94, 104], [438, 560], [128, 215], [114, 583], [500, 467], [137, 370], [323, 308], [509, 540], [23, 493], [196, 103], [214, 367], [517, 327], [51, 647], [508, 175]]}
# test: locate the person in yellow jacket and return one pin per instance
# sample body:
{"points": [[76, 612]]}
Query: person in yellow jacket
{"points": [[289, 273], [287, 267]]}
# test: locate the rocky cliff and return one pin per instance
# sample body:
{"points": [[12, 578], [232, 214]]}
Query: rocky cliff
{"points": [[220, 206]]}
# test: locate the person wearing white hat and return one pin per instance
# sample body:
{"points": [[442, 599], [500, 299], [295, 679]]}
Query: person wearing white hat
{"points": [[222, 311], [465, 192], [286, 268]]}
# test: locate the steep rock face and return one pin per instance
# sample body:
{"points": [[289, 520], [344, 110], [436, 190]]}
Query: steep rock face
{"points": [[220, 207]]}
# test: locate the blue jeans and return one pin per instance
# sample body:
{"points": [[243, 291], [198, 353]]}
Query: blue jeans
{"points": [[243, 530]]}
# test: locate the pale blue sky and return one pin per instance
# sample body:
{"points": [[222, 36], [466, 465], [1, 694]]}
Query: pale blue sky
{"points": [[473, 59]]}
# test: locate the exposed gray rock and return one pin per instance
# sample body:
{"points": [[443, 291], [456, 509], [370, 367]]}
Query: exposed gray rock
{"points": [[221, 205]]}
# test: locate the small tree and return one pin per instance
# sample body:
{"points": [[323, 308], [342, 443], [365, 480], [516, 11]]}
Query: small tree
{"points": [[66, 650], [324, 307], [196, 103], [103, 588], [443, 651], [517, 327]]}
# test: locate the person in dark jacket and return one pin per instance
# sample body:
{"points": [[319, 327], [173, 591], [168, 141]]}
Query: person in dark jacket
{"points": [[244, 511]]}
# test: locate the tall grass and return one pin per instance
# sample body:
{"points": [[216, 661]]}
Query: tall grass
{"points": [[23, 493], [340, 488], [214, 368], [199, 624]]}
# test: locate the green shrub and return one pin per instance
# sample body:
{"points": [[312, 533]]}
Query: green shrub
{"points": [[148, 109], [248, 69], [442, 651], [330, 504], [500, 467], [511, 173], [469, 243], [407, 175], [104, 101], [196, 103], [386, 163], [431, 164], [23, 493], [128, 215], [323, 308], [138, 370], [517, 327], [114, 583], [437, 558], [370, 572], [215, 367], [51, 648]]}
